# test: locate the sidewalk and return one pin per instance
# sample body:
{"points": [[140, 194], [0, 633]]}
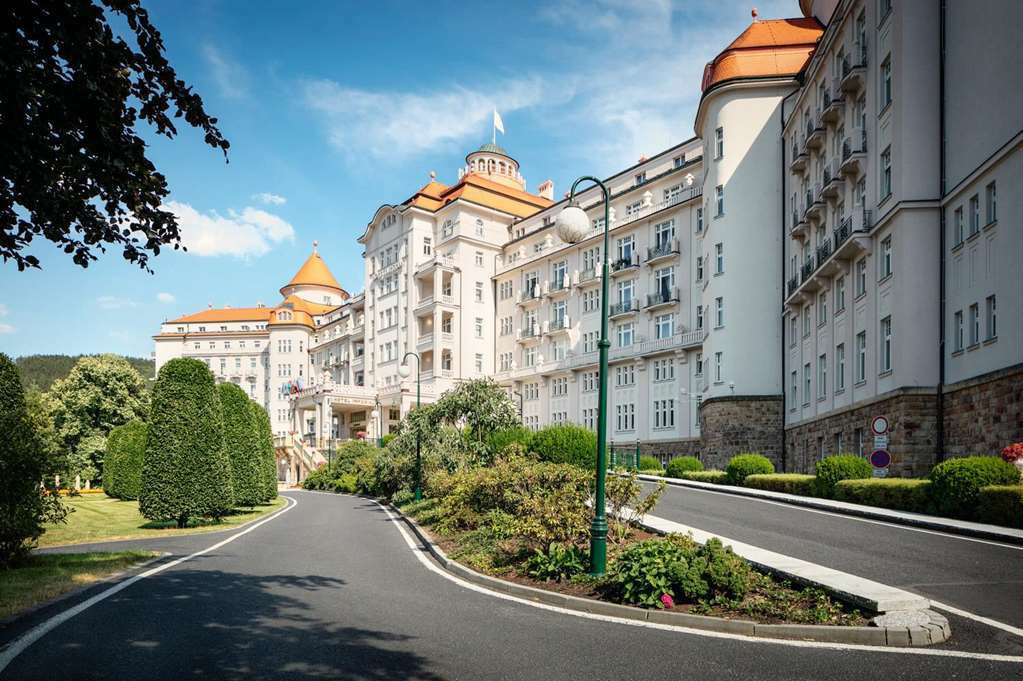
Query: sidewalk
{"points": [[961, 527]]}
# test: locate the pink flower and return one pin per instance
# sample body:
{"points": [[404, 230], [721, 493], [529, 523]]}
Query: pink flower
{"points": [[667, 601], [1013, 452]]}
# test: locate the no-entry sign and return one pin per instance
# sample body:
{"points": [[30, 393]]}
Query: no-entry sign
{"points": [[879, 425]]}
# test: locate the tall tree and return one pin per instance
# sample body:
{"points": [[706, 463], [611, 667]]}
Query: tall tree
{"points": [[268, 456], [24, 504], [242, 444], [100, 393], [185, 470], [73, 169]]}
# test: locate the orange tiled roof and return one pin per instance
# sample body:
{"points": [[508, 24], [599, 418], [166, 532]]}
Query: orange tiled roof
{"points": [[473, 187], [227, 314], [773, 47], [314, 272]]}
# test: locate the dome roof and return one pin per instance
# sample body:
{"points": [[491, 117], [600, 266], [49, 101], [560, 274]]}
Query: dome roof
{"points": [[493, 148], [770, 48], [314, 272]]}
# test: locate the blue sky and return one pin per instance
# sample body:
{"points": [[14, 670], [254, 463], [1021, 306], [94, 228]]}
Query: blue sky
{"points": [[333, 109]]}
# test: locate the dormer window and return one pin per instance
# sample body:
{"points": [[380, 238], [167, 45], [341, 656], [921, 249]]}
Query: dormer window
{"points": [[640, 178], [181, 329], [223, 328]]}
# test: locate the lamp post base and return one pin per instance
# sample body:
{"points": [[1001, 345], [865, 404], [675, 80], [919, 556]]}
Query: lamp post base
{"points": [[598, 547]]}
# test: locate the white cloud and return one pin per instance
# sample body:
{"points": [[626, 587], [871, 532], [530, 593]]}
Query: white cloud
{"points": [[396, 125], [165, 297], [115, 302], [270, 199], [231, 78], [6, 328], [251, 232]]}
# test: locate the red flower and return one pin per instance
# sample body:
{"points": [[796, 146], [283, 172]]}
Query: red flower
{"points": [[667, 601], [1013, 452]]}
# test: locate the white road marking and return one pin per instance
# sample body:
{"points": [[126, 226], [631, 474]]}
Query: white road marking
{"points": [[16, 647], [424, 557], [1016, 631], [845, 516]]}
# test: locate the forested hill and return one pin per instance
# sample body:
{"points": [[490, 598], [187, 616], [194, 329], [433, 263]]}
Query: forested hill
{"points": [[41, 371]]}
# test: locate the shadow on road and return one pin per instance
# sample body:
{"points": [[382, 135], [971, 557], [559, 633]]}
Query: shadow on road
{"points": [[209, 624]]}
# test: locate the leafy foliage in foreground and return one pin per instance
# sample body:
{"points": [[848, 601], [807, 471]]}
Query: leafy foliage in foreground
{"points": [[122, 464]]}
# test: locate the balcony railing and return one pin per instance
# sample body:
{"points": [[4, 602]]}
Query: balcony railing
{"points": [[622, 264], [589, 276], [561, 323], [529, 293], [854, 67], [824, 250], [809, 265], [664, 249], [854, 146], [558, 285], [623, 307], [793, 285], [529, 331], [839, 246], [663, 297]]}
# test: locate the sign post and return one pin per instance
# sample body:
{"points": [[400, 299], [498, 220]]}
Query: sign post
{"points": [[880, 458]]}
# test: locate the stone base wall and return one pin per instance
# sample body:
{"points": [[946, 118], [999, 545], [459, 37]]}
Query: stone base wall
{"points": [[741, 423], [669, 449], [984, 414], [912, 433]]}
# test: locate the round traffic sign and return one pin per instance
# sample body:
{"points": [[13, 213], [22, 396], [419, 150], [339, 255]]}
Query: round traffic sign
{"points": [[880, 458], [879, 425]]}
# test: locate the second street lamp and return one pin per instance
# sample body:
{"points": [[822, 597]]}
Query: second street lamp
{"points": [[405, 371], [572, 226]]}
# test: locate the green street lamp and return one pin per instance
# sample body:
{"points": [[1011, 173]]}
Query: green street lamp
{"points": [[572, 226], [405, 371]]}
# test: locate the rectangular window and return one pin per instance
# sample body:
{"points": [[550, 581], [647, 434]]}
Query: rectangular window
{"points": [[719, 258], [591, 300], [822, 376], [590, 341], [861, 276], [699, 364], [633, 208], [822, 308], [839, 294], [958, 226], [699, 317], [806, 321], [840, 367], [699, 268], [626, 333], [718, 366], [664, 413], [991, 318], [991, 201], [958, 331], [664, 232], [886, 173], [479, 363], [664, 370], [626, 417], [886, 81], [479, 258], [719, 312], [885, 262], [974, 214], [427, 246], [794, 399], [886, 344], [974, 324], [664, 326], [699, 220], [625, 375], [861, 356], [719, 143], [640, 178], [479, 291], [806, 384], [793, 330], [626, 246], [719, 200], [479, 327]]}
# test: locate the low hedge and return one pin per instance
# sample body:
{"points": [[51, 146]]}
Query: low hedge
{"points": [[649, 463], [567, 443], [789, 483], [716, 477], [831, 469], [1001, 505], [742, 465], [681, 464], [956, 483], [898, 494]]}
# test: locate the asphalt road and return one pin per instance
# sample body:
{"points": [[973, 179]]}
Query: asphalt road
{"points": [[980, 577], [330, 590]]}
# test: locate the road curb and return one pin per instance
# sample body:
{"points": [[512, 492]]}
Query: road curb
{"points": [[947, 525], [937, 630]]}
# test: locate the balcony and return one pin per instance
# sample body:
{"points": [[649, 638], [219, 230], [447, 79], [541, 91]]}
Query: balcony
{"points": [[815, 134], [425, 341], [847, 242], [623, 308], [834, 103], [800, 158], [588, 276], [800, 226], [559, 325], [854, 153], [529, 294], [854, 69], [558, 287], [622, 265], [806, 281], [664, 297], [528, 333], [833, 181], [852, 237], [666, 249], [815, 202], [793, 284]]}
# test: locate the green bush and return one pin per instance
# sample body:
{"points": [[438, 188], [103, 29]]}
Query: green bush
{"points": [[186, 472], [789, 483], [565, 444], [498, 440], [122, 462], [956, 483], [899, 494], [351, 470], [24, 506], [649, 463], [267, 453], [682, 464], [1001, 505], [742, 465], [558, 563], [677, 566], [831, 469], [241, 440], [713, 477]]}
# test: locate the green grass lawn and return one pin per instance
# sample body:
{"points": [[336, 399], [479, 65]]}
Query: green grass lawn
{"points": [[97, 517], [40, 578]]}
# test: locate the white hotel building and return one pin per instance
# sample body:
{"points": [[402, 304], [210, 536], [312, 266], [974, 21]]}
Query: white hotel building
{"points": [[840, 240]]}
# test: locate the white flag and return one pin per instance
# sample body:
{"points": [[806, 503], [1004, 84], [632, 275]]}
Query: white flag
{"points": [[498, 123]]}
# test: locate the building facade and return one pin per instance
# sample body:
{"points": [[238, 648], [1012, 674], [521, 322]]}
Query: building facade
{"points": [[838, 241]]}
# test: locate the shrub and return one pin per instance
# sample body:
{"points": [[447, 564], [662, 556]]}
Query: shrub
{"points": [[789, 483], [682, 464], [742, 465], [956, 483], [267, 453], [24, 506], [624, 504], [831, 469], [122, 463], [899, 494], [499, 440], [242, 444], [1001, 505], [565, 444], [185, 472], [559, 562], [649, 463], [713, 477]]}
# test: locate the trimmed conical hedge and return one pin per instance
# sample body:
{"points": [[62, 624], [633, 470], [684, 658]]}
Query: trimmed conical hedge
{"points": [[242, 444], [268, 457], [122, 462], [186, 472]]}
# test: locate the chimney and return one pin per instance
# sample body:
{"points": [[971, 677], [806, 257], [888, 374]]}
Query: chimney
{"points": [[546, 190]]}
